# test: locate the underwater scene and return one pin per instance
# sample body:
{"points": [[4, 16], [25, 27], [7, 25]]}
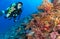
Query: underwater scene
{"points": [[30, 19]]}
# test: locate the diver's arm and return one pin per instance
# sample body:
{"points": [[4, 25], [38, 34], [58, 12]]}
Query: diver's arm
{"points": [[6, 11]]}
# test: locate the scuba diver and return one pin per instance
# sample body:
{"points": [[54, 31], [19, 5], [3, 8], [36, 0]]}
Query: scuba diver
{"points": [[14, 10]]}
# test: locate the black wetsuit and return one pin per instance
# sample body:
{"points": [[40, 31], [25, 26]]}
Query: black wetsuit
{"points": [[14, 13]]}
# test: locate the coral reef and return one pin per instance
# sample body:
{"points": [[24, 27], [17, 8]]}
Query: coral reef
{"points": [[41, 25]]}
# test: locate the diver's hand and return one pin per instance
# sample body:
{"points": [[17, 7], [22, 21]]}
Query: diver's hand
{"points": [[2, 12]]}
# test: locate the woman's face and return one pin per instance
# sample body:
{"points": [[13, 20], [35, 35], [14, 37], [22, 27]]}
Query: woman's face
{"points": [[19, 6]]}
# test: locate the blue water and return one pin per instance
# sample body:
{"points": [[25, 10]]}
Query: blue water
{"points": [[29, 6]]}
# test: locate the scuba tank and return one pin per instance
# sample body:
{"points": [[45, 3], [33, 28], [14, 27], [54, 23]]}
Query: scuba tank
{"points": [[10, 9]]}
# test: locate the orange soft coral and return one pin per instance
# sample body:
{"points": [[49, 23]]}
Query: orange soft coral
{"points": [[46, 6]]}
